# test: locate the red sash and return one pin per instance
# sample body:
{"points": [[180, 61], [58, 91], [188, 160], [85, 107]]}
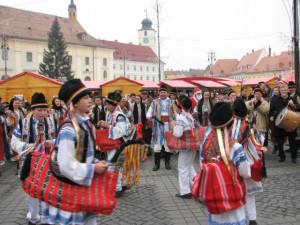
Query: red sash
{"points": [[190, 140], [104, 143], [43, 185], [139, 131]]}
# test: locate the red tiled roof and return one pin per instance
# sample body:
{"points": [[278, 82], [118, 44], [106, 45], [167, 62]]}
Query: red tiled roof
{"points": [[223, 66], [132, 52], [254, 81], [289, 77], [35, 26], [33, 75], [93, 84], [148, 84], [273, 63], [178, 83], [208, 83], [250, 60]]}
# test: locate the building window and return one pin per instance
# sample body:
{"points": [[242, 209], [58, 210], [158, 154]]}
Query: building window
{"points": [[127, 67], [134, 77], [114, 66], [145, 33], [104, 74], [141, 78], [153, 79], [134, 68], [104, 61], [29, 56], [147, 68], [147, 77], [87, 78], [87, 61], [153, 68], [121, 67], [70, 59], [141, 68]]}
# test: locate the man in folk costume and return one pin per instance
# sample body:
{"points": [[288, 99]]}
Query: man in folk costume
{"points": [[197, 96], [74, 152], [184, 122], [242, 134], [119, 128], [221, 157], [35, 130], [161, 112]]}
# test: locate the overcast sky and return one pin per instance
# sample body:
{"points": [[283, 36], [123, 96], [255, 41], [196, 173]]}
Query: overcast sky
{"points": [[189, 29]]}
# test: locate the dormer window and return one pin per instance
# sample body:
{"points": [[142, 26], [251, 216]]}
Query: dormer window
{"points": [[83, 36]]}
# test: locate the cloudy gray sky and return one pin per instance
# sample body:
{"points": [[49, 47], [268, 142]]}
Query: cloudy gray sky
{"points": [[189, 29]]}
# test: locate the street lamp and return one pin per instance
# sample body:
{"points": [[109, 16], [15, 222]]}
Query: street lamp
{"points": [[4, 49]]}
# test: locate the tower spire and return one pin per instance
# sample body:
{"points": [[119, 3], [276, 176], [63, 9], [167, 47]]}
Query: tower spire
{"points": [[72, 11]]}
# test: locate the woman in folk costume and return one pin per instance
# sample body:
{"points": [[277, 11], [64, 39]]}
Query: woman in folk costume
{"points": [[58, 112], [119, 128], [186, 157], [204, 107], [139, 119], [242, 134], [3, 136], [15, 115], [224, 164], [76, 163], [33, 130]]}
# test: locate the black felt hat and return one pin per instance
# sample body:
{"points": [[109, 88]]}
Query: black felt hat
{"points": [[113, 98], [221, 114], [291, 84], [239, 108], [183, 102], [143, 92], [230, 91], [173, 91], [38, 100], [72, 91], [163, 88], [257, 90]]}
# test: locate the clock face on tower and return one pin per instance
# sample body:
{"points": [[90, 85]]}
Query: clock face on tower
{"points": [[146, 40]]}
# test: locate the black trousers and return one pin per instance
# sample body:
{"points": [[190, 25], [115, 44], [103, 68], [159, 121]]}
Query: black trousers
{"points": [[280, 135]]}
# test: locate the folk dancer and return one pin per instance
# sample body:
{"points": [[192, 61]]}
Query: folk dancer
{"points": [[148, 126], [58, 112], [218, 151], [204, 107], [119, 128], [15, 115], [161, 113], [35, 129], [186, 157], [241, 133], [80, 169]]}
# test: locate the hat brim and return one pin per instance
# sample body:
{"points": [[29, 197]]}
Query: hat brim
{"points": [[39, 105], [79, 94], [111, 102]]}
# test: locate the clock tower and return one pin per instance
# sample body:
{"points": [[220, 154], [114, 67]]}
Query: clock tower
{"points": [[147, 35]]}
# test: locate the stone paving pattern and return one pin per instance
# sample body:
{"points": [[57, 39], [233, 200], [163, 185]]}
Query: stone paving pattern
{"points": [[154, 201]]}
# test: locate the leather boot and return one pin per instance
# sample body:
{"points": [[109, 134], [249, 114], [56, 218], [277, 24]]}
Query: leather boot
{"points": [[156, 161], [167, 160]]}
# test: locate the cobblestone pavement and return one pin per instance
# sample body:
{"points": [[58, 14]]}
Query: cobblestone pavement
{"points": [[154, 201]]}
